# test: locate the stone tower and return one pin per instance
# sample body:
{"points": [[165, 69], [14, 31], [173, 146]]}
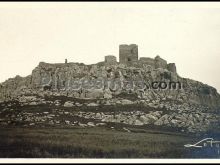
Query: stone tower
{"points": [[110, 59], [128, 53], [171, 67]]}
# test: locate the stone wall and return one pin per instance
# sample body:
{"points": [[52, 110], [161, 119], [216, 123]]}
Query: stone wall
{"points": [[128, 53], [147, 61], [110, 59], [171, 67], [160, 63], [157, 62]]}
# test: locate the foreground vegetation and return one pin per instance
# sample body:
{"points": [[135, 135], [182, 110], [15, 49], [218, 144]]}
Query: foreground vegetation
{"points": [[89, 143]]}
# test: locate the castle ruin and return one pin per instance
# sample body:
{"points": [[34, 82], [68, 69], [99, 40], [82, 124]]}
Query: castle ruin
{"points": [[128, 55], [110, 59]]}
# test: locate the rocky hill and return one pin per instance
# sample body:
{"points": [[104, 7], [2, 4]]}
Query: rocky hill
{"points": [[104, 81], [120, 92]]}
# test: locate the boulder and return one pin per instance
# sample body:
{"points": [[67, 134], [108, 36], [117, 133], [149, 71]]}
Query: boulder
{"points": [[159, 122], [127, 130], [126, 102], [157, 114], [164, 120], [25, 99], [144, 119], [33, 103], [151, 118], [98, 116], [92, 104], [91, 124], [138, 122], [107, 94], [108, 118], [100, 124], [82, 125], [78, 104], [67, 122], [68, 104]]}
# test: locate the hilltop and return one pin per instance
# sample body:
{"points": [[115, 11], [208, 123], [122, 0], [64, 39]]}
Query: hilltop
{"points": [[111, 92]]}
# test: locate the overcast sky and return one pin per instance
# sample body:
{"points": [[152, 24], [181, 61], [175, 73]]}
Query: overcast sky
{"points": [[187, 34]]}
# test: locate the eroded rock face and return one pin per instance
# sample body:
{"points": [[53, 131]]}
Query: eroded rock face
{"points": [[100, 81], [14, 87]]}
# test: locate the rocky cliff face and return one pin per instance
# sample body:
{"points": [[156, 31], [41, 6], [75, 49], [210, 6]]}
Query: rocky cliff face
{"points": [[103, 81]]}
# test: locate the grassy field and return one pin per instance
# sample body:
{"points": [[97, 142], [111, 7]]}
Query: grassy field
{"points": [[63, 141], [89, 143]]}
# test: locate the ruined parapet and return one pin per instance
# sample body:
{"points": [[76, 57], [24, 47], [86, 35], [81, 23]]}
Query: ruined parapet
{"points": [[160, 63], [110, 59], [128, 53], [147, 61], [171, 67]]}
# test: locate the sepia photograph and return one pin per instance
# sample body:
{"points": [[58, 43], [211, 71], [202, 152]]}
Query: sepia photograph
{"points": [[110, 80]]}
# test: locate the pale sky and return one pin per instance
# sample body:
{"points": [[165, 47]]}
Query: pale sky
{"points": [[187, 34]]}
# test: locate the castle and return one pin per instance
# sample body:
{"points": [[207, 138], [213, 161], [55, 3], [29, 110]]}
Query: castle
{"points": [[128, 55]]}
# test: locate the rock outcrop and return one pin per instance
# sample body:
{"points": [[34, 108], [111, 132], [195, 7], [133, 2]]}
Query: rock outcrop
{"points": [[103, 81], [149, 83]]}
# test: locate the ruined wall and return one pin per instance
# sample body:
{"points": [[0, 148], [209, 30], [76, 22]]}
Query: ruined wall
{"points": [[157, 62], [160, 63], [128, 53], [171, 67], [110, 59], [147, 61]]}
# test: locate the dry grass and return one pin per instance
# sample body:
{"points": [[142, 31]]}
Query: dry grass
{"points": [[88, 143]]}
